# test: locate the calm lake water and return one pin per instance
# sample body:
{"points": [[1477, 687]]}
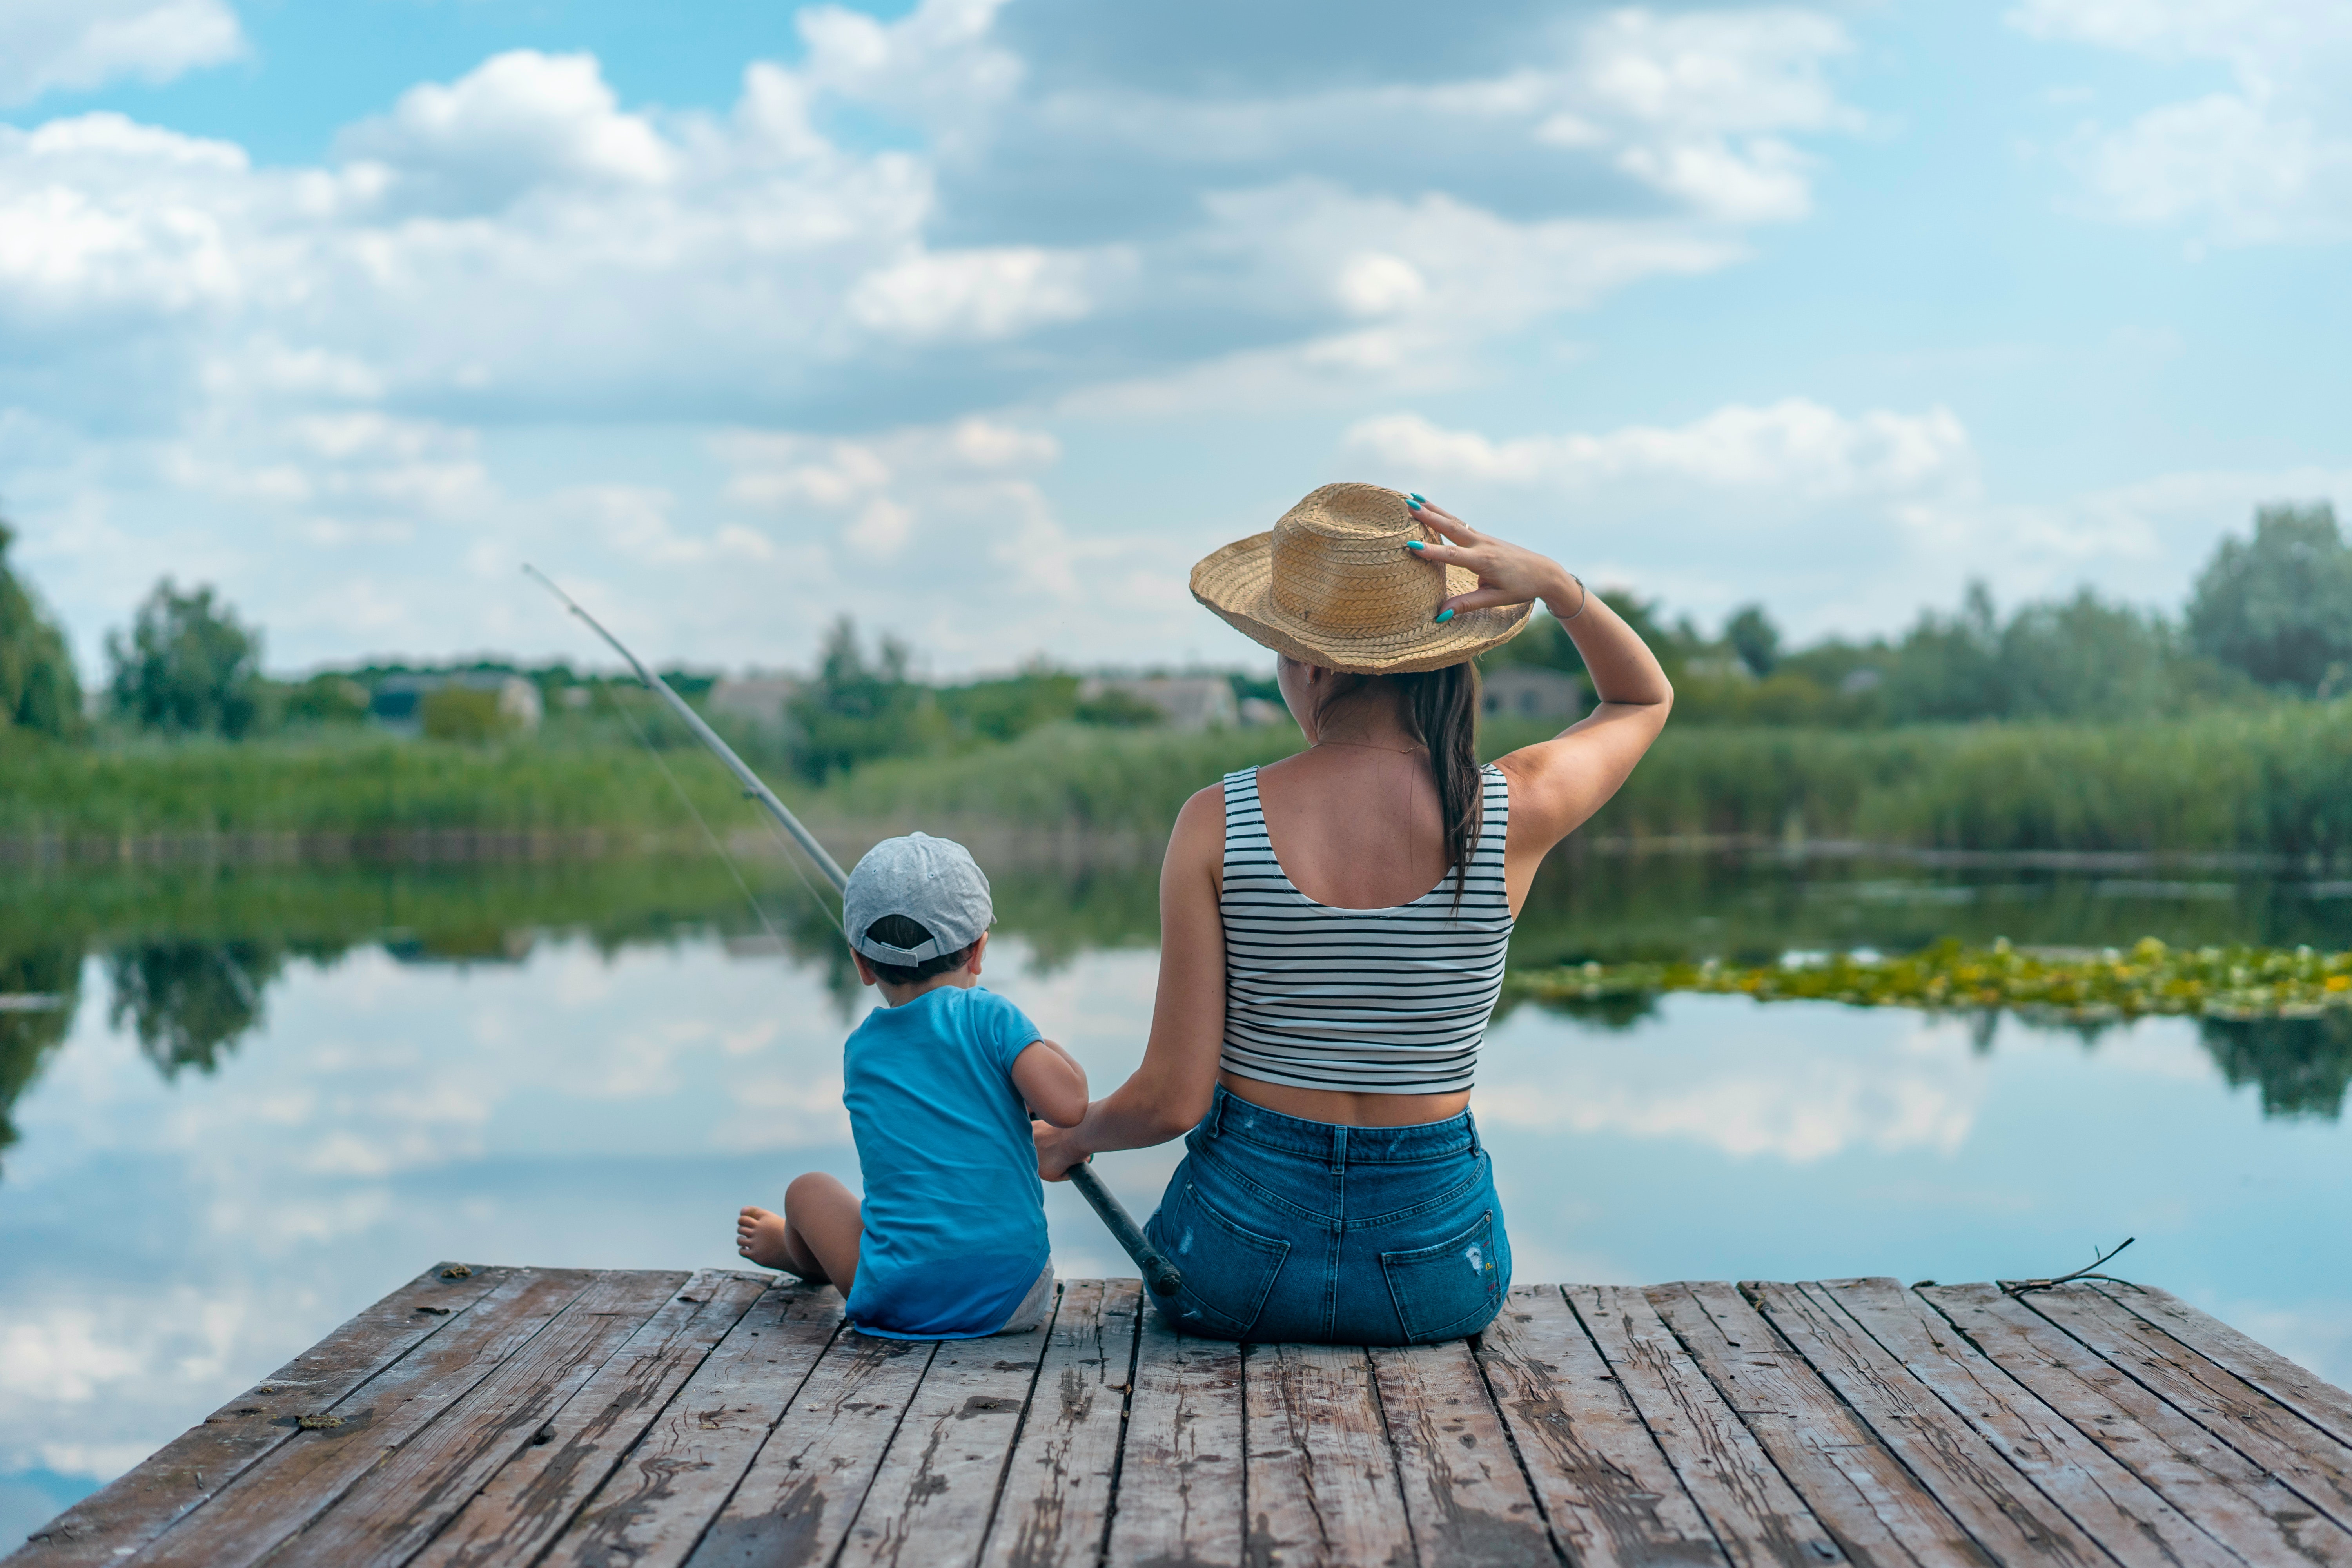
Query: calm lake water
{"points": [[263, 1100]]}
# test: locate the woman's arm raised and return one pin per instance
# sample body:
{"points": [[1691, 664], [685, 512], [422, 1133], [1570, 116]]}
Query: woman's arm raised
{"points": [[1172, 1090], [1556, 784]]}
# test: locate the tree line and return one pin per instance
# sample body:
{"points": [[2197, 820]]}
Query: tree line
{"points": [[2270, 616]]}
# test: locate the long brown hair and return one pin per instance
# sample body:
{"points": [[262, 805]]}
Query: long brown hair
{"points": [[1442, 706]]}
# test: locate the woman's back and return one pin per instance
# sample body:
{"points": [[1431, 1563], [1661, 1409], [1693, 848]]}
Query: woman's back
{"points": [[1356, 827], [1351, 1000]]}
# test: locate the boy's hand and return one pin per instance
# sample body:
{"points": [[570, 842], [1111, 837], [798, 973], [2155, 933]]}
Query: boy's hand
{"points": [[1056, 1150]]}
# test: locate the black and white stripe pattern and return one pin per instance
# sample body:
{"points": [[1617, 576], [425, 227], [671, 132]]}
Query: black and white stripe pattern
{"points": [[1390, 1001]]}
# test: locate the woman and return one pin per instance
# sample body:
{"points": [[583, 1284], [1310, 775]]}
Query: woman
{"points": [[1332, 930]]}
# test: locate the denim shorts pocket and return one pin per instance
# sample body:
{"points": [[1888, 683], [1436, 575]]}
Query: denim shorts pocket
{"points": [[1445, 1292], [1228, 1268]]}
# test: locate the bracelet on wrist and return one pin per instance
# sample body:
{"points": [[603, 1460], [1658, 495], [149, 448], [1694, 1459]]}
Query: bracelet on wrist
{"points": [[1584, 597]]}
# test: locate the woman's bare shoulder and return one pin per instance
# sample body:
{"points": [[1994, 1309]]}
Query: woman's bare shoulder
{"points": [[1204, 812]]}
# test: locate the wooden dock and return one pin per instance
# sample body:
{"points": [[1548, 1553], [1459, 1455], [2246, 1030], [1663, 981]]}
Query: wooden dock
{"points": [[524, 1416]]}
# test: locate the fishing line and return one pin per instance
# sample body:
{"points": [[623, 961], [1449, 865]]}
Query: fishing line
{"points": [[717, 848]]}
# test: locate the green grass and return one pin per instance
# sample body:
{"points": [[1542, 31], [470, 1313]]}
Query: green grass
{"points": [[2277, 781], [359, 785]]}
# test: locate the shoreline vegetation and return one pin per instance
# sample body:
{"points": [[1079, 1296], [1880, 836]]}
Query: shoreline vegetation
{"points": [[2267, 782]]}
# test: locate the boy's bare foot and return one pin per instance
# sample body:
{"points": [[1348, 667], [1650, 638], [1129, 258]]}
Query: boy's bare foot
{"points": [[759, 1237]]}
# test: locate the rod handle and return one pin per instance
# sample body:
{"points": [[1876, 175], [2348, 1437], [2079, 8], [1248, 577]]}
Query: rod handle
{"points": [[1163, 1278]]}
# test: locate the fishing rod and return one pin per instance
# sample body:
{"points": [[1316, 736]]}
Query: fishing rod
{"points": [[1162, 1276]]}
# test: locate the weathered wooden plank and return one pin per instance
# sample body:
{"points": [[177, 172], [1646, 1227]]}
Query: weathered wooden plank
{"points": [[2321, 1403], [1601, 1481], [933, 1498], [298, 1481], [1879, 1514], [1322, 1478], [2004, 1511], [1464, 1491], [1057, 1491], [195, 1465], [2112, 1505], [800, 1497], [537, 1493], [2314, 1465], [2227, 1496], [1181, 1480], [1755, 1515], [655, 1505], [388, 1514]]}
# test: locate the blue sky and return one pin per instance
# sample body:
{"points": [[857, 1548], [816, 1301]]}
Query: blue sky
{"points": [[981, 319]]}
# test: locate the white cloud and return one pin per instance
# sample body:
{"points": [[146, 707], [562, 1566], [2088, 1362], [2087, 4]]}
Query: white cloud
{"points": [[46, 45], [310, 384], [1846, 522], [2270, 160], [519, 121], [1795, 447], [978, 294], [1804, 1102]]}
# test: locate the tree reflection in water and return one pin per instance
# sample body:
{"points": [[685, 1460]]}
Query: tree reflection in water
{"points": [[229, 933], [2302, 1065], [190, 1001], [44, 984]]}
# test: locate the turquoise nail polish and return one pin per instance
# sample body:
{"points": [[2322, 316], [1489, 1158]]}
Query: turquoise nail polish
{"points": [[1416, 544], [1443, 616], [1418, 501]]}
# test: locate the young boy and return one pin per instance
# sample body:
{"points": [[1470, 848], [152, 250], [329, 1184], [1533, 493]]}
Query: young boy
{"points": [[940, 1084]]}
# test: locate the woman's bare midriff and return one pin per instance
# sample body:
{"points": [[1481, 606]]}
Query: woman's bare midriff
{"points": [[1347, 1108]]}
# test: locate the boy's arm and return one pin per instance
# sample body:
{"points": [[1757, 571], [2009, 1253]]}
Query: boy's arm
{"points": [[1053, 1082]]}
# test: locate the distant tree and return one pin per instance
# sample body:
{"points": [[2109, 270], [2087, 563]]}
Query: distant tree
{"points": [[463, 713], [189, 667], [1114, 709], [327, 699], [1754, 637], [2083, 659], [2279, 606], [1009, 708], [38, 689], [857, 708], [1949, 667]]}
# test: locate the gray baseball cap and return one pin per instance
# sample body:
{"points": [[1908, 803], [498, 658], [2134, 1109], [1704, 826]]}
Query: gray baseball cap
{"points": [[934, 882]]}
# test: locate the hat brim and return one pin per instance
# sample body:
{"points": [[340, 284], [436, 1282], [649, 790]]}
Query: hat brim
{"points": [[1237, 583]]}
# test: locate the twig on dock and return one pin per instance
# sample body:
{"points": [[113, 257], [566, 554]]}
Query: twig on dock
{"points": [[2020, 1287]]}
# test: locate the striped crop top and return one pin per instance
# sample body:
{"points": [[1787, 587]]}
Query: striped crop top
{"points": [[1389, 1001]]}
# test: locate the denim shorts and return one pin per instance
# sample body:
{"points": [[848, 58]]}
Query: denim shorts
{"points": [[1287, 1229]]}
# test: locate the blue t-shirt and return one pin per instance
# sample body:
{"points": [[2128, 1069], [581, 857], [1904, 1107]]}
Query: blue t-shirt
{"points": [[954, 1214]]}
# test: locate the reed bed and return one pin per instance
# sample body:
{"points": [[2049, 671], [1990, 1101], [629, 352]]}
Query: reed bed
{"points": [[2276, 780]]}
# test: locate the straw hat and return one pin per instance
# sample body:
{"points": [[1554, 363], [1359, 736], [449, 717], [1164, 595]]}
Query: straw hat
{"points": [[1334, 586]]}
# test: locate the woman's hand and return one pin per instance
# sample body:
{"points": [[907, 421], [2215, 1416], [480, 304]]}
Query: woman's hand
{"points": [[1507, 573], [1056, 1150]]}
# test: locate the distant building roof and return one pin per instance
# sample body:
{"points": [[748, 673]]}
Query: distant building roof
{"points": [[756, 698], [398, 699], [1190, 701], [1530, 691]]}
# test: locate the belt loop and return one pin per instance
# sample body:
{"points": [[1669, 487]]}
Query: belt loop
{"points": [[1470, 1124], [1219, 1103], [1339, 1148]]}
